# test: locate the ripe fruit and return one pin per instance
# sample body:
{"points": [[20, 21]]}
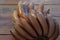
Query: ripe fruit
{"points": [[34, 27]]}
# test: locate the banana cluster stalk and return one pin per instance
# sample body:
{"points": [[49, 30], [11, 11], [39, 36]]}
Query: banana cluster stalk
{"points": [[33, 26]]}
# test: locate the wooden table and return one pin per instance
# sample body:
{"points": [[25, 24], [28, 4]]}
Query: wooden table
{"points": [[5, 34]]}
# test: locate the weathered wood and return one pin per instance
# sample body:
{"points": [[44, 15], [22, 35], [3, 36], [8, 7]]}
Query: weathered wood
{"points": [[52, 1], [16, 1], [4, 31], [6, 15], [54, 9], [7, 8], [6, 37], [5, 34], [9, 1]]}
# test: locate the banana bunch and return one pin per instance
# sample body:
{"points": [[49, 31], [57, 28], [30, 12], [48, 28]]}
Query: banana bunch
{"points": [[33, 26]]}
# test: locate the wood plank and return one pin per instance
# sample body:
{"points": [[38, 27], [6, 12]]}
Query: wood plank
{"points": [[6, 15], [9, 1], [52, 1], [46, 1], [37, 1], [54, 9], [6, 37], [4, 31], [5, 21], [7, 8]]}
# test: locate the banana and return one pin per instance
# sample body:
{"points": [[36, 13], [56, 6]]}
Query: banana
{"points": [[15, 35], [21, 31], [32, 12], [20, 14], [19, 8], [35, 24], [51, 26], [15, 17], [27, 27], [43, 23], [55, 35]]}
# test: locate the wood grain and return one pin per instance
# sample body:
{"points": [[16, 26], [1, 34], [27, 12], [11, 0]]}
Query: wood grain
{"points": [[5, 34], [52, 1], [54, 9], [6, 37], [4, 31], [9, 1]]}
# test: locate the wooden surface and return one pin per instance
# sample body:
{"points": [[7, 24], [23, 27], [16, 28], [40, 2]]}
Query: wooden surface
{"points": [[5, 34], [8, 1], [6, 37], [8, 6]]}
